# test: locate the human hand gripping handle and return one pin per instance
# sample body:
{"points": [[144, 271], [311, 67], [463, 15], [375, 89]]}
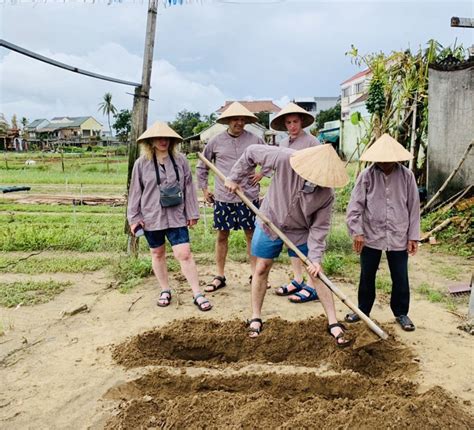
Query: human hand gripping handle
{"points": [[231, 185]]}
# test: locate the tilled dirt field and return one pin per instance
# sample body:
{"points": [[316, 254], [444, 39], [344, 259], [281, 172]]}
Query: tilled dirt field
{"points": [[288, 385]]}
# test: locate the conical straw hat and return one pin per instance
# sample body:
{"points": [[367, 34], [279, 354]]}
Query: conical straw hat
{"points": [[320, 165], [234, 110], [278, 123], [159, 129], [385, 150]]}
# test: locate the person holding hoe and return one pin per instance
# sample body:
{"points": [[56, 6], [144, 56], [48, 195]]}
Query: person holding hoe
{"points": [[384, 215], [300, 210], [294, 119], [229, 212], [162, 204]]}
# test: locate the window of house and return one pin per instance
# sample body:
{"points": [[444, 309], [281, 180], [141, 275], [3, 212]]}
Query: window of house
{"points": [[346, 92], [359, 88]]}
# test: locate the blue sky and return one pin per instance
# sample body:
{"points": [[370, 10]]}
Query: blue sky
{"points": [[206, 52]]}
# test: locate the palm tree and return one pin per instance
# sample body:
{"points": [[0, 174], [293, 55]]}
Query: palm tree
{"points": [[107, 108]]}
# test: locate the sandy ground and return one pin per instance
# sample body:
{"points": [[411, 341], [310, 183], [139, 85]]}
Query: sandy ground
{"points": [[55, 370]]}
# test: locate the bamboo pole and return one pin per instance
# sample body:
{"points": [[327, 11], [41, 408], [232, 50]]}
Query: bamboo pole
{"points": [[374, 327], [448, 180]]}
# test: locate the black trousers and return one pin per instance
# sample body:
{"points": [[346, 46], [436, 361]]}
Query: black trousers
{"points": [[398, 264]]}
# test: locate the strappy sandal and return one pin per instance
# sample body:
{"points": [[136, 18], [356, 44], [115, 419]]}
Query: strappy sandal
{"points": [[341, 335], [164, 295], [214, 287], [285, 291], [253, 330], [200, 305], [313, 296]]}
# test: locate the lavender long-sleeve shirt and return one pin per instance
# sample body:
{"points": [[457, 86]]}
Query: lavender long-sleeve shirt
{"points": [[224, 150], [302, 141], [303, 217], [385, 208], [144, 195]]}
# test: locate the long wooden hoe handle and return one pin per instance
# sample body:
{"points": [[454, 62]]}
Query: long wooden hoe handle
{"points": [[374, 327]]}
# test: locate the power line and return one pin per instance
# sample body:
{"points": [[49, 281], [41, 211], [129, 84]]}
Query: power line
{"points": [[64, 66]]}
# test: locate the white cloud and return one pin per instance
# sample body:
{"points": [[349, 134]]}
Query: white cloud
{"points": [[34, 89]]}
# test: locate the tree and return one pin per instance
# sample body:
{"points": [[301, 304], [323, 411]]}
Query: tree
{"points": [[107, 108], [398, 97], [123, 124], [331, 114], [185, 123], [14, 122], [207, 122], [263, 118], [24, 123]]}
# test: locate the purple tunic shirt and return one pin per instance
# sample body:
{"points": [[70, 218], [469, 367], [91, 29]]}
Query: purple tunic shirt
{"points": [[385, 208], [303, 217], [302, 141], [224, 150], [144, 195]]}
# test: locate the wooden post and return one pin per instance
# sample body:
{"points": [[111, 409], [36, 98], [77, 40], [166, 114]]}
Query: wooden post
{"points": [[140, 107]]}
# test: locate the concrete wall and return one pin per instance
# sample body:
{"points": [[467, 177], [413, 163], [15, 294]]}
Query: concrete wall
{"points": [[450, 128]]}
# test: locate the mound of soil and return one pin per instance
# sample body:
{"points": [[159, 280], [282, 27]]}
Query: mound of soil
{"points": [[199, 342], [269, 400]]}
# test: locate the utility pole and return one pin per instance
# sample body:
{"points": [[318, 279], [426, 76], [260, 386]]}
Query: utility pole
{"points": [[140, 107]]}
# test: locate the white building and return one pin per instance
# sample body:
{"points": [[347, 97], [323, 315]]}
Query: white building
{"points": [[354, 114]]}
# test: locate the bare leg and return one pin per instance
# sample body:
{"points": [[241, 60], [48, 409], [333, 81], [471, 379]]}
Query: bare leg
{"points": [[297, 267], [158, 263], [327, 300], [182, 253], [252, 259], [259, 288]]}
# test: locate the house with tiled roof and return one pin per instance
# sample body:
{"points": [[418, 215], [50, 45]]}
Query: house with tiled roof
{"points": [[65, 127], [254, 106]]}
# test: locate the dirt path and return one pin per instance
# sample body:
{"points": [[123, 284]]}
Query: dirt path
{"points": [[56, 370]]}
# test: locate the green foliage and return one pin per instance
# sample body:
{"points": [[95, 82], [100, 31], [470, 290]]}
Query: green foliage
{"points": [[263, 118], [85, 233], [129, 271], [376, 98], [29, 292], [383, 284], [430, 293], [39, 264], [188, 123], [123, 124], [327, 115]]}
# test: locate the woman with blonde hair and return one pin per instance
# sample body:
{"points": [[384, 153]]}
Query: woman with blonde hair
{"points": [[162, 203]]}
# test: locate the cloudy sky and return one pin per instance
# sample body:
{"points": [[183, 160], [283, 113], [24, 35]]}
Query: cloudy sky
{"points": [[206, 51]]}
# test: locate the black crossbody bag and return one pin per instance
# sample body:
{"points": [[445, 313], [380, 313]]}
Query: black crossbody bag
{"points": [[169, 196]]}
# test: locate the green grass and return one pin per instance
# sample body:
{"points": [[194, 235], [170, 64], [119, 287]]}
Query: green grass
{"points": [[129, 271], [7, 206], [85, 233], [39, 264], [430, 293], [29, 292], [383, 284]]}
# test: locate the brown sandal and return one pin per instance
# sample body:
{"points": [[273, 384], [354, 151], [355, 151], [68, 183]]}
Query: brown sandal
{"points": [[343, 344], [214, 287]]}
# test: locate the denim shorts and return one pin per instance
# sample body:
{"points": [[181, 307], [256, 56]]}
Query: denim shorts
{"points": [[234, 216], [264, 246], [176, 236]]}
